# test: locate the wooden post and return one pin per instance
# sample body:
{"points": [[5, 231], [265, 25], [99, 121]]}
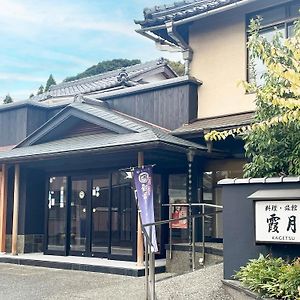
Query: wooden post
{"points": [[3, 208], [140, 242], [14, 250]]}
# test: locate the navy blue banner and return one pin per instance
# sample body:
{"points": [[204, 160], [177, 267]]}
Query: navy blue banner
{"points": [[143, 179]]}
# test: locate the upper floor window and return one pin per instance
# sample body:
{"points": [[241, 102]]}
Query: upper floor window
{"points": [[279, 19]]}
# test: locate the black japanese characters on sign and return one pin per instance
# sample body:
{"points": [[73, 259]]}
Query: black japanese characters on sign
{"points": [[277, 221]]}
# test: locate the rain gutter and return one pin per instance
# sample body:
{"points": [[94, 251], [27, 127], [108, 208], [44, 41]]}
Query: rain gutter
{"points": [[170, 26]]}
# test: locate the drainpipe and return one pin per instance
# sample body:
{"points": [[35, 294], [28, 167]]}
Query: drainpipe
{"points": [[187, 51]]}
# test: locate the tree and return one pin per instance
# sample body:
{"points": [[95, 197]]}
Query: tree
{"points": [[40, 90], [31, 95], [50, 81], [7, 99], [272, 142]]}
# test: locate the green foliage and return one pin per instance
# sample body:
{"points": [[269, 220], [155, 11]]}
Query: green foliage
{"points": [[177, 66], [105, 66], [7, 99], [271, 277], [272, 143], [50, 81], [274, 150], [40, 90]]}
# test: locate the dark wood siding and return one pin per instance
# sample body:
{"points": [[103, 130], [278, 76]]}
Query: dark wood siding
{"points": [[169, 107], [13, 123], [83, 128], [35, 118], [17, 123]]}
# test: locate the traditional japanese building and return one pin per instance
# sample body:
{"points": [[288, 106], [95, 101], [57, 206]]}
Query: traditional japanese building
{"points": [[65, 189], [65, 153]]}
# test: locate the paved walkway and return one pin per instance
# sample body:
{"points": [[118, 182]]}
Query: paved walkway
{"points": [[24, 282], [201, 284]]}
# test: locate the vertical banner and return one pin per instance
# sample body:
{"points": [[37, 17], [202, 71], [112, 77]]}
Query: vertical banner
{"points": [[143, 180]]}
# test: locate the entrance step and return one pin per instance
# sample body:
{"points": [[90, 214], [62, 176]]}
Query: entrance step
{"points": [[89, 264], [181, 258]]}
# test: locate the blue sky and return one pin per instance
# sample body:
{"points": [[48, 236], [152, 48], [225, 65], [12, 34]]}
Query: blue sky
{"points": [[64, 37]]}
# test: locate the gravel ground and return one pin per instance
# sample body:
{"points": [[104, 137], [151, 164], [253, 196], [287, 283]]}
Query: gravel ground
{"points": [[33, 283]]}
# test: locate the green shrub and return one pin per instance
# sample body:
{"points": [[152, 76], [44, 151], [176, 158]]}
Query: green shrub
{"points": [[271, 277]]}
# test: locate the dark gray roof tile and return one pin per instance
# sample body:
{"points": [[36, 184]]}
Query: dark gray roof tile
{"points": [[139, 132], [158, 15], [101, 81], [220, 122]]}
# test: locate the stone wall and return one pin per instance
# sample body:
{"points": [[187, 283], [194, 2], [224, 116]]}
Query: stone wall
{"points": [[30, 243]]}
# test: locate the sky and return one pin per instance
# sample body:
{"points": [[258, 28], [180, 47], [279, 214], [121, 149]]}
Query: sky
{"points": [[64, 37]]}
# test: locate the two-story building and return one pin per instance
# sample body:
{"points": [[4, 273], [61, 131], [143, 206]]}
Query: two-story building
{"points": [[64, 188], [212, 35]]}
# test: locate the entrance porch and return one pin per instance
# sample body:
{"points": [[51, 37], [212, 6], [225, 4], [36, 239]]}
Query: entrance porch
{"points": [[90, 264], [67, 190]]}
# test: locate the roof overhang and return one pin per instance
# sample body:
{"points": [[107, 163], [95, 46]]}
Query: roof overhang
{"points": [[159, 32], [90, 152]]}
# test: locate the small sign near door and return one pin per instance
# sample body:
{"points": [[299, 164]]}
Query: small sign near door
{"points": [[179, 212]]}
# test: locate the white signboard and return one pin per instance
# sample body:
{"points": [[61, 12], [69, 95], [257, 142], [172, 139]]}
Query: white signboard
{"points": [[277, 221]]}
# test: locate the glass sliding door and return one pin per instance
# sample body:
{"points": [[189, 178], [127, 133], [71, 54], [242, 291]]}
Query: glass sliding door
{"points": [[57, 215], [123, 216], [100, 215], [78, 216], [92, 216]]}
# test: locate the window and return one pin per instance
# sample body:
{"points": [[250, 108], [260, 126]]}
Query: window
{"points": [[279, 19], [212, 194]]}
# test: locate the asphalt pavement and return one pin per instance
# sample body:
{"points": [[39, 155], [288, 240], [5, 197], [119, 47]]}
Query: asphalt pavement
{"points": [[36, 283]]}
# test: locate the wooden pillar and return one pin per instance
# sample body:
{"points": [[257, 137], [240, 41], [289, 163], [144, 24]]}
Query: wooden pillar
{"points": [[3, 208], [140, 242], [14, 250]]}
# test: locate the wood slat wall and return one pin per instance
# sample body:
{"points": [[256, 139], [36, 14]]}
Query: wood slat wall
{"points": [[83, 128], [170, 107]]}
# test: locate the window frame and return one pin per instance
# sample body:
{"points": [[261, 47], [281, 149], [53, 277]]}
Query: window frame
{"points": [[285, 22]]}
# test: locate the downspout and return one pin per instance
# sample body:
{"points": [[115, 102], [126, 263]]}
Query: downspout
{"points": [[170, 26], [187, 51]]}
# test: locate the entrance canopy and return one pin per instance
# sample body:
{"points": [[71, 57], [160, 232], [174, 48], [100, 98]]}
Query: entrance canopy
{"points": [[91, 127]]}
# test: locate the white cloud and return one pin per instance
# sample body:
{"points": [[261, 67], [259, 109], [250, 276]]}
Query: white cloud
{"points": [[31, 19], [20, 77]]}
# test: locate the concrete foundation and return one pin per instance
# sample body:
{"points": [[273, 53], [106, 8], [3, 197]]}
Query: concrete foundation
{"points": [[30, 243]]}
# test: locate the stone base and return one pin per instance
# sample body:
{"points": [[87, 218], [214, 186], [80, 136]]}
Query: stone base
{"points": [[180, 262], [29, 243], [238, 292]]}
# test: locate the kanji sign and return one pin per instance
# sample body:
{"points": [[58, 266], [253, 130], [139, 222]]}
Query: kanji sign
{"points": [[277, 221]]}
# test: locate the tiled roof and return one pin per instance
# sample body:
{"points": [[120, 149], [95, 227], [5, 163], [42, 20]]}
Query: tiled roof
{"points": [[180, 10], [96, 142], [103, 81], [220, 122], [140, 132]]}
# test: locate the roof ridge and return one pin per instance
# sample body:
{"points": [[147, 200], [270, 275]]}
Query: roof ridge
{"points": [[143, 121], [109, 111], [175, 6], [109, 74], [158, 15]]}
